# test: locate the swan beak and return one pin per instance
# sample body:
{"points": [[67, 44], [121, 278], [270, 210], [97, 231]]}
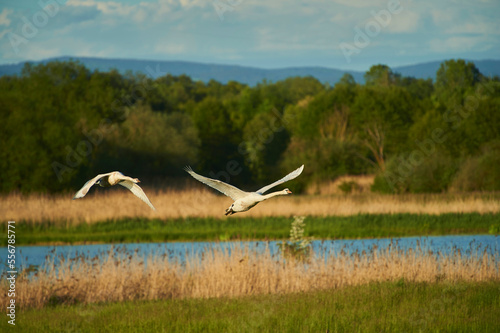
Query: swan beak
{"points": [[288, 191]]}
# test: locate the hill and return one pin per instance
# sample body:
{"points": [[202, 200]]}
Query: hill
{"points": [[243, 74]]}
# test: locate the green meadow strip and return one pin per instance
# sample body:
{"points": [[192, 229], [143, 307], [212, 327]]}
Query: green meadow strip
{"points": [[377, 307], [212, 229]]}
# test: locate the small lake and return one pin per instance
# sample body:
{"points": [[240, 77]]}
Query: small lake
{"points": [[182, 251]]}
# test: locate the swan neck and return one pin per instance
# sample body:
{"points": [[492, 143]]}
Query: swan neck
{"points": [[274, 194]]}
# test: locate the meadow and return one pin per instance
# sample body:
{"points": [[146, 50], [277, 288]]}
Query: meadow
{"points": [[398, 306], [383, 290]]}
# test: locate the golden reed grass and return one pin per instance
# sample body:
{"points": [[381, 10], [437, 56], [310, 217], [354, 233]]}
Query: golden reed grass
{"points": [[243, 272], [104, 204]]}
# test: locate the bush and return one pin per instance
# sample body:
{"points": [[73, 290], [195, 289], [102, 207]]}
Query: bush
{"points": [[479, 173], [431, 174], [348, 187], [298, 247], [324, 160]]}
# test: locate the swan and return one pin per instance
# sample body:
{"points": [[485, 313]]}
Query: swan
{"points": [[113, 178], [243, 201]]}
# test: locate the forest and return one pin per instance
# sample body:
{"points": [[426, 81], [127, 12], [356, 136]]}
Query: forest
{"points": [[61, 124]]}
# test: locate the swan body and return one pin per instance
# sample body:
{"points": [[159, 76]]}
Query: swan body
{"points": [[243, 201], [111, 179]]}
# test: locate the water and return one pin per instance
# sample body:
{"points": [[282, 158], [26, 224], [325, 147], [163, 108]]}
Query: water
{"points": [[27, 256]]}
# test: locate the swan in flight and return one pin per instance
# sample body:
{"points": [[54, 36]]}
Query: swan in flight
{"points": [[243, 201], [113, 178]]}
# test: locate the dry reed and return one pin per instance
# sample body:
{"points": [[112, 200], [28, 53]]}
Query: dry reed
{"points": [[217, 273], [107, 204]]}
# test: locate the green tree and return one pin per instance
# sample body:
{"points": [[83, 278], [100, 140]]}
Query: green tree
{"points": [[219, 139], [381, 117], [455, 79], [264, 141], [381, 75], [150, 144]]}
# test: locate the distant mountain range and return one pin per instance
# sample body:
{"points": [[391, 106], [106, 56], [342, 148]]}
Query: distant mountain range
{"points": [[248, 75]]}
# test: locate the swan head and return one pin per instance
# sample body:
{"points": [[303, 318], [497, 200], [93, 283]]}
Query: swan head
{"points": [[287, 191]]}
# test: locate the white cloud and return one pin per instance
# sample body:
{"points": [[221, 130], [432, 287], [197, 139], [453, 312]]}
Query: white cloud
{"points": [[106, 7], [457, 44], [474, 25], [4, 32], [140, 16], [361, 3], [257, 32], [443, 17], [39, 51], [4, 20], [170, 48], [406, 21]]}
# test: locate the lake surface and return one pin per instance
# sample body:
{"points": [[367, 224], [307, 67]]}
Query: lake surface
{"points": [[181, 251]]}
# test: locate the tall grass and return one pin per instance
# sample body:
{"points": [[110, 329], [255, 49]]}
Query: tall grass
{"points": [[217, 273], [108, 204]]}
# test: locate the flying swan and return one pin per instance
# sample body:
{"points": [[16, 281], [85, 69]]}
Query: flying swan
{"points": [[113, 178], [243, 201]]}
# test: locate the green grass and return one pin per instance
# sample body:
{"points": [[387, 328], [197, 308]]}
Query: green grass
{"points": [[210, 229], [379, 307]]}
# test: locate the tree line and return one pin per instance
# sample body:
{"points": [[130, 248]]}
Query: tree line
{"points": [[61, 124]]}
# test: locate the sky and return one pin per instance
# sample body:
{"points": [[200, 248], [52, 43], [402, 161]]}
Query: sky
{"points": [[343, 34]]}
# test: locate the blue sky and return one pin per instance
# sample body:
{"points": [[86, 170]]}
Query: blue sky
{"points": [[344, 34]]}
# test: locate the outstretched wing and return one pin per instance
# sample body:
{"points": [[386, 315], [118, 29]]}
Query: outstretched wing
{"points": [[229, 190], [86, 187], [137, 190], [290, 176]]}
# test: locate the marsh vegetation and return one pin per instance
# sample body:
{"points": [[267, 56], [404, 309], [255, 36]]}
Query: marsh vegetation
{"points": [[236, 272], [112, 204]]}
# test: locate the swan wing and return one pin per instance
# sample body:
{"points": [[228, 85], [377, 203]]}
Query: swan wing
{"points": [[229, 190], [86, 187], [290, 176], [137, 190]]}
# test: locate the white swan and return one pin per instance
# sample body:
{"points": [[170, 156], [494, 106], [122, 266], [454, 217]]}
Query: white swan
{"points": [[113, 178], [243, 201]]}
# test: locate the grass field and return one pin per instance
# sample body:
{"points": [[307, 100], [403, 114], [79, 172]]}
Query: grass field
{"points": [[396, 306], [385, 290], [117, 204], [214, 229]]}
